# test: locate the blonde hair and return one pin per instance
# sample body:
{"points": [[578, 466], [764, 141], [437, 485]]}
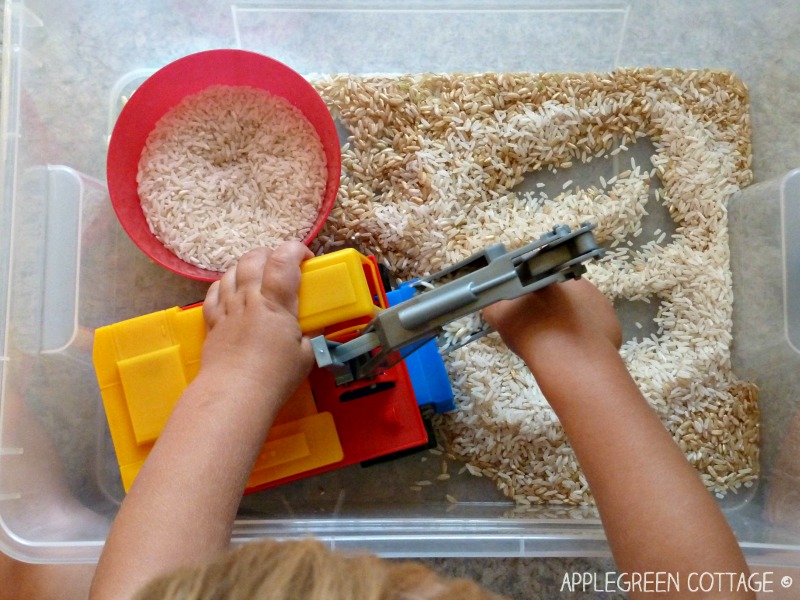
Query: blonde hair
{"points": [[307, 569]]}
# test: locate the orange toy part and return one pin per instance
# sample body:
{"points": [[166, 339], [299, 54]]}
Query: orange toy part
{"points": [[144, 364], [337, 288]]}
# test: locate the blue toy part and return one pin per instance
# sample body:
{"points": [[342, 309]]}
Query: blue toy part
{"points": [[425, 365]]}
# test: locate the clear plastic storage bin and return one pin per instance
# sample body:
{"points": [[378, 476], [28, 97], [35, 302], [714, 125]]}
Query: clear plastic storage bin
{"points": [[66, 267], [764, 225]]}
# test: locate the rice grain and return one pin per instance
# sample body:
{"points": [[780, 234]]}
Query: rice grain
{"points": [[230, 169], [431, 185]]}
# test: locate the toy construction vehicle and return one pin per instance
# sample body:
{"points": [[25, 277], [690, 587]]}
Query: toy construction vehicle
{"points": [[379, 366]]}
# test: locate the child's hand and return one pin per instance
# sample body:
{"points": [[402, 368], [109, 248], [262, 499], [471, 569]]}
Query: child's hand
{"points": [[569, 337], [251, 316], [181, 508], [573, 316]]}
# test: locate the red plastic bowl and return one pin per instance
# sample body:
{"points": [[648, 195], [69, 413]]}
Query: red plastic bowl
{"points": [[164, 90]]}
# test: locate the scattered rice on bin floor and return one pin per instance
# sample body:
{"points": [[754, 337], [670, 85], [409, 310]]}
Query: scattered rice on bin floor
{"points": [[428, 178]]}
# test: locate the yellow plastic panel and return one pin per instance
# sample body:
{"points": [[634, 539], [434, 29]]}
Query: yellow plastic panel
{"points": [[282, 450], [333, 289], [189, 329], [144, 364], [319, 432], [142, 335], [339, 291], [119, 423], [129, 473], [152, 383]]}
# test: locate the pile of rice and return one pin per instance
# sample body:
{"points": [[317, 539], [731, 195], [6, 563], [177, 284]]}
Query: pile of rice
{"points": [[229, 169], [428, 179]]}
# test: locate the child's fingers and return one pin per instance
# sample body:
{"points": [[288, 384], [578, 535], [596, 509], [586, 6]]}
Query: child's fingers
{"points": [[212, 295], [281, 274], [211, 304], [250, 268], [227, 285]]}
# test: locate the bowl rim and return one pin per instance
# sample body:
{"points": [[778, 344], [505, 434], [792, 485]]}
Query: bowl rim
{"points": [[136, 120]]}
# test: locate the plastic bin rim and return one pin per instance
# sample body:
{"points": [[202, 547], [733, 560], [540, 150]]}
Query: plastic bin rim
{"points": [[788, 181]]}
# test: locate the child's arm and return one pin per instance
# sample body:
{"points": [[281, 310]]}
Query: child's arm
{"points": [[657, 514], [181, 508]]}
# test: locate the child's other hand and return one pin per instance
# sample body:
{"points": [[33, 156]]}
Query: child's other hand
{"points": [[251, 318], [572, 316]]}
